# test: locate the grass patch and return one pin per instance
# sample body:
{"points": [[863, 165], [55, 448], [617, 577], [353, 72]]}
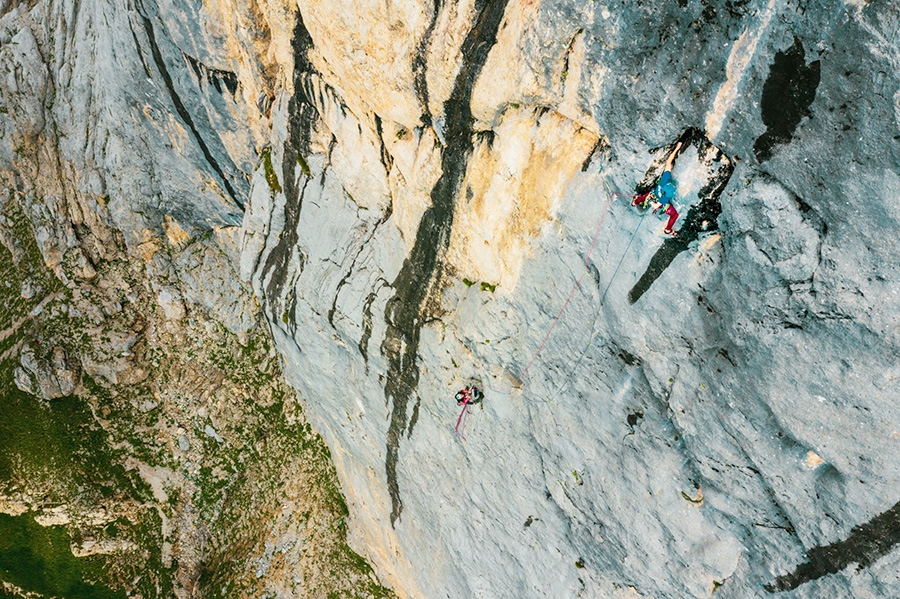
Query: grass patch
{"points": [[304, 166], [73, 450], [697, 501], [39, 559], [271, 177], [60, 440]]}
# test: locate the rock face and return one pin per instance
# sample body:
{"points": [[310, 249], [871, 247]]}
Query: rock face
{"points": [[709, 412], [431, 194], [47, 378]]}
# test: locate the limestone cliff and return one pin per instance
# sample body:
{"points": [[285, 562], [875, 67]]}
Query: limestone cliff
{"points": [[421, 195]]}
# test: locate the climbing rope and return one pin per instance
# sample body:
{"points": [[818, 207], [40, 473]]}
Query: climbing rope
{"points": [[602, 299], [460, 424], [627, 247], [587, 264], [610, 196], [461, 420]]}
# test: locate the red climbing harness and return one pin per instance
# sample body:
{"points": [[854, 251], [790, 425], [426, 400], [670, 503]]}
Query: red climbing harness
{"points": [[468, 396]]}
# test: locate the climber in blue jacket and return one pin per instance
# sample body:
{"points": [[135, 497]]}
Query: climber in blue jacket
{"points": [[663, 193]]}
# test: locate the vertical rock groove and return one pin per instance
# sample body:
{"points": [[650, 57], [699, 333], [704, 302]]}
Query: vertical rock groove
{"points": [[302, 114], [420, 65], [183, 112], [422, 269]]}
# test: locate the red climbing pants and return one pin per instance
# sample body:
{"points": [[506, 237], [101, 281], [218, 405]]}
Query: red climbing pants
{"points": [[673, 216]]}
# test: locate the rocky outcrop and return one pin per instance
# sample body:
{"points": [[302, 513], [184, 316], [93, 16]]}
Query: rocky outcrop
{"points": [[49, 378], [426, 196]]}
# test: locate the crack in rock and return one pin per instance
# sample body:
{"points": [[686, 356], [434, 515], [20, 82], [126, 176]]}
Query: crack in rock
{"points": [[214, 76], [183, 111]]}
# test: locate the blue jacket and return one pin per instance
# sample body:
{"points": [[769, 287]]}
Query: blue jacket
{"points": [[665, 189]]}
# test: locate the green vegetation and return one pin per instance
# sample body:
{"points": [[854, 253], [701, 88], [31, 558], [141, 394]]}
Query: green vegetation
{"points": [[57, 452], [485, 286], [304, 166], [81, 451], [687, 497], [59, 445], [271, 177], [38, 559], [36, 440], [26, 268]]}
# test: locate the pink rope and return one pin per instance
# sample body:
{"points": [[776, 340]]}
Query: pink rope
{"points": [[587, 262], [461, 414]]}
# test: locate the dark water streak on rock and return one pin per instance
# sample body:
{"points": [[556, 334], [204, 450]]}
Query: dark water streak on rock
{"points": [[420, 65], [183, 111], [866, 544], [302, 115], [787, 95], [413, 303]]}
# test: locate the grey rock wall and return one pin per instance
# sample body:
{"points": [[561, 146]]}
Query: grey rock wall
{"points": [[420, 186], [149, 446]]}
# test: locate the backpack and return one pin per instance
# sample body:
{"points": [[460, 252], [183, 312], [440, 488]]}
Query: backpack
{"points": [[665, 193]]}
